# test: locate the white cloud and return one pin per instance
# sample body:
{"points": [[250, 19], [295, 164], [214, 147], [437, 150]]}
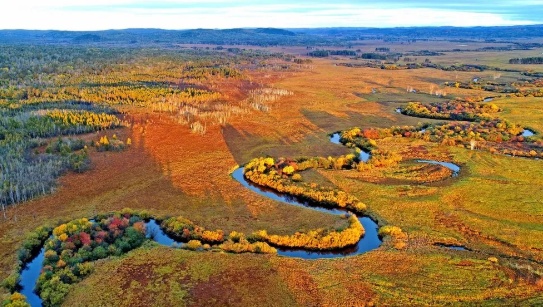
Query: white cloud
{"points": [[36, 15]]}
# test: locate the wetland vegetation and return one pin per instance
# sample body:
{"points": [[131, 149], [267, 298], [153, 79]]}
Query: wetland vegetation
{"points": [[279, 174]]}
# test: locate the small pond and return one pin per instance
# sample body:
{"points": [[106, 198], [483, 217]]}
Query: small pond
{"points": [[335, 138], [453, 247], [453, 167], [527, 133]]}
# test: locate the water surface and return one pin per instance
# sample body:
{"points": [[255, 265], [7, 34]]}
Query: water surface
{"points": [[368, 242], [29, 279], [527, 133], [453, 167]]}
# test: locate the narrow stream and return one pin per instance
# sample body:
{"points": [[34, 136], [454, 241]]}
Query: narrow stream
{"points": [[369, 241], [29, 279], [364, 156], [335, 138], [453, 247], [155, 233]]}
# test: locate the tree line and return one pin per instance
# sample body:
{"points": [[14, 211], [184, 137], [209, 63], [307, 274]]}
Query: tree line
{"points": [[532, 60]]}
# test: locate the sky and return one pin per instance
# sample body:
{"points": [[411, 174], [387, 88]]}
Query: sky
{"points": [[211, 14]]}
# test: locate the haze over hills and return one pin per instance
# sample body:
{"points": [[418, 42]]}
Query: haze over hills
{"points": [[267, 36]]}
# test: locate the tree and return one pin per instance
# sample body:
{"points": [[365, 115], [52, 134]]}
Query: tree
{"points": [[288, 170]]}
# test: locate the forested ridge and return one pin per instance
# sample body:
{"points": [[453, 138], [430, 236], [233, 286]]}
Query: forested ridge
{"points": [[266, 36]]}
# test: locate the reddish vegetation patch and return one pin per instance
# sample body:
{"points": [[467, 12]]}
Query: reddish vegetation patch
{"points": [[301, 283], [362, 292], [142, 274], [230, 287]]}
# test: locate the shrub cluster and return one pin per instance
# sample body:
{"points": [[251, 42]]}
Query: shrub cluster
{"points": [[185, 230], [319, 239], [69, 252], [495, 131], [452, 110], [237, 243], [278, 176], [16, 300], [399, 238], [113, 144], [198, 238]]}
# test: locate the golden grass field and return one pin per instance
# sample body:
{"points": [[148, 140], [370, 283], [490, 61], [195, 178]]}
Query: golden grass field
{"points": [[494, 207]]}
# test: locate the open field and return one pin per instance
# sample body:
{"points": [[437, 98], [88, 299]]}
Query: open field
{"points": [[493, 208]]}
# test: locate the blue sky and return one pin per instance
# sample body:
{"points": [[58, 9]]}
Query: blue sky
{"points": [[180, 14]]}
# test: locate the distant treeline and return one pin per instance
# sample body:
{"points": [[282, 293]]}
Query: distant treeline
{"points": [[270, 36], [325, 53], [374, 56], [534, 60], [382, 49]]}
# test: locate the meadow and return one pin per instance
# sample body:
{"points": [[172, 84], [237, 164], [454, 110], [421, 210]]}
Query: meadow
{"points": [[170, 125]]}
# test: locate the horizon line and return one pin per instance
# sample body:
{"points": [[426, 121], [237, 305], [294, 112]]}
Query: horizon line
{"points": [[281, 28]]}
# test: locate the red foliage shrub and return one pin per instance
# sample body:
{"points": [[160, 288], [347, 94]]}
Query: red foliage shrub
{"points": [[85, 238], [370, 134]]}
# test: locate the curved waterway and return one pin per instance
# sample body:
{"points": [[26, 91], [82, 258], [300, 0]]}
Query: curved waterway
{"points": [[369, 241], [29, 279], [453, 167], [32, 269], [365, 156]]}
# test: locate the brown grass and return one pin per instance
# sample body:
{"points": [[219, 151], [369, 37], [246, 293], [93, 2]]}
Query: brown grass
{"points": [[169, 170]]}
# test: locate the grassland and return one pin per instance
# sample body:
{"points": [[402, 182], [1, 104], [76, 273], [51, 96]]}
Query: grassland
{"points": [[493, 207]]}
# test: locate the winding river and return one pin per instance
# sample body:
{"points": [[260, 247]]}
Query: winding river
{"points": [[370, 240], [29, 279], [365, 156], [32, 269]]}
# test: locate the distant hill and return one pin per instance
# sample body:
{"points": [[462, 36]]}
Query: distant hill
{"points": [[87, 38], [267, 36], [258, 36]]}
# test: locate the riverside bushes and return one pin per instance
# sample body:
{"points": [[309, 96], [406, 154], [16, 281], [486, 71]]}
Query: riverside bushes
{"points": [[319, 239], [185, 230], [399, 238], [452, 110], [69, 252], [237, 243], [484, 134], [259, 242], [16, 300], [267, 173]]}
